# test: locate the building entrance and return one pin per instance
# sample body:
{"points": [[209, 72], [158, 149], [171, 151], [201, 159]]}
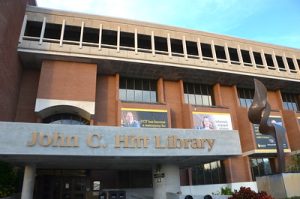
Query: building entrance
{"points": [[61, 187], [90, 184]]}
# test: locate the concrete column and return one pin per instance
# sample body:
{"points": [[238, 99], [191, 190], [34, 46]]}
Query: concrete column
{"points": [[100, 36], [169, 183], [213, 50], [169, 45], [23, 29], [263, 57], [28, 182], [118, 39], [42, 31], [252, 57], [199, 49], [152, 43], [62, 32], [227, 53], [184, 48], [81, 34], [135, 41], [240, 55]]}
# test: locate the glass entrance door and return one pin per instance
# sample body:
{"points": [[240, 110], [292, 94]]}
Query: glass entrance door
{"points": [[73, 188], [59, 187]]}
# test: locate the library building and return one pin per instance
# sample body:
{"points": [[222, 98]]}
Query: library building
{"points": [[94, 107]]}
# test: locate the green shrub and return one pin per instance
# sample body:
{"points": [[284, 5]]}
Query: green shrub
{"points": [[8, 180], [226, 191]]}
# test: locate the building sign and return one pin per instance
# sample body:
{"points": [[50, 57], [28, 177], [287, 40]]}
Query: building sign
{"points": [[212, 121], [84, 140], [267, 141], [94, 140], [144, 118]]}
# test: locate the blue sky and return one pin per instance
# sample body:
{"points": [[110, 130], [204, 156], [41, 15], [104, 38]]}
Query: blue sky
{"points": [[270, 21]]}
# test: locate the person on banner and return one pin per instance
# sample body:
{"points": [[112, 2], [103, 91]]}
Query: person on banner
{"points": [[130, 121], [206, 124]]}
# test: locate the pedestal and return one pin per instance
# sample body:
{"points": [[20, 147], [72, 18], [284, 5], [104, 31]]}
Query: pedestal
{"points": [[280, 185]]}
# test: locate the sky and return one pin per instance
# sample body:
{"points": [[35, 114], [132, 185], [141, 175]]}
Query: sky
{"points": [[270, 21]]}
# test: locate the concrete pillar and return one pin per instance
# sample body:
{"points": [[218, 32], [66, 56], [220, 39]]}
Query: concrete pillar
{"points": [[28, 182], [170, 182]]}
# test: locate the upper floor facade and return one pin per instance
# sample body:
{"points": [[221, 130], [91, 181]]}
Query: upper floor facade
{"points": [[104, 40]]}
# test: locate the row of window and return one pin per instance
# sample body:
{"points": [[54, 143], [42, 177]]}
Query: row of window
{"points": [[214, 172], [145, 90], [290, 100], [109, 39]]}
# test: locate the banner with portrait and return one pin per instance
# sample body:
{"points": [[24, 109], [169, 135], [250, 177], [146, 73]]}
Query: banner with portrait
{"points": [[144, 118], [212, 121], [267, 141]]}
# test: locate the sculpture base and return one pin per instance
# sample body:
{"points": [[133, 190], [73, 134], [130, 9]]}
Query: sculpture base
{"points": [[280, 185]]}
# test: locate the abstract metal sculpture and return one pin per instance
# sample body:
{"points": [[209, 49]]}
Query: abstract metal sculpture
{"points": [[258, 113]]}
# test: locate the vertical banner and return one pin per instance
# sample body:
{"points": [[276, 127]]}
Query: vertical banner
{"points": [[144, 118], [267, 141], [212, 121]]}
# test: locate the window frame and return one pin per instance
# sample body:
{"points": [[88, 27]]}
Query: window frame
{"points": [[128, 91], [198, 94]]}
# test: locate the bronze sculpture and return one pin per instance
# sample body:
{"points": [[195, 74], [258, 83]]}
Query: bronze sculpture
{"points": [[258, 113]]}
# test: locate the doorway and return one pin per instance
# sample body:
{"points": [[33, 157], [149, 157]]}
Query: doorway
{"points": [[57, 187]]}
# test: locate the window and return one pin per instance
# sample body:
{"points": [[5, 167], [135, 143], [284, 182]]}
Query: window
{"points": [[280, 63], [290, 63], [234, 57], [66, 118], [161, 44], [109, 37], [91, 35], [246, 57], [206, 51], [33, 29], [220, 53], [260, 167], [270, 62], [290, 101], [144, 41], [176, 46], [137, 90], [209, 173], [72, 33], [192, 48], [52, 31], [245, 97], [127, 39], [198, 94], [257, 58]]}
